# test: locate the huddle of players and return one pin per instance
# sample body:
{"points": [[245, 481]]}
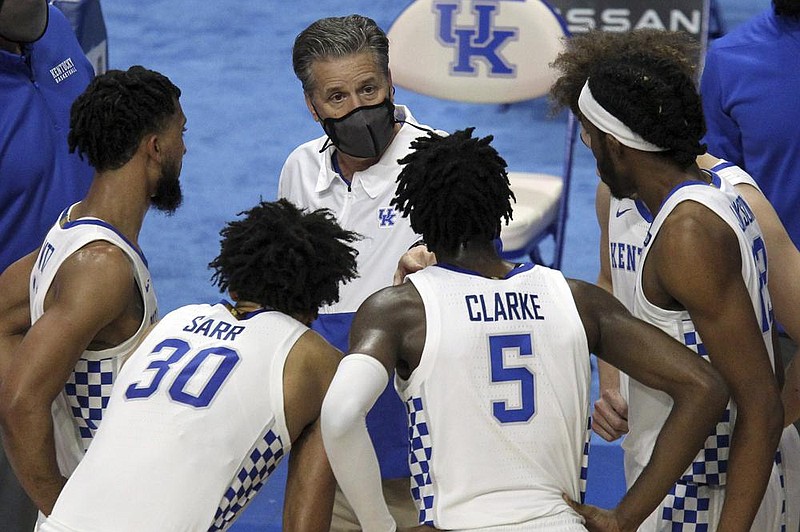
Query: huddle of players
{"points": [[214, 396]]}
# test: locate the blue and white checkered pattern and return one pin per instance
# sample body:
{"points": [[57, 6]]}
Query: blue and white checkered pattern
{"points": [[711, 464], [88, 389], [256, 468], [420, 452], [686, 509], [779, 463], [585, 460]]}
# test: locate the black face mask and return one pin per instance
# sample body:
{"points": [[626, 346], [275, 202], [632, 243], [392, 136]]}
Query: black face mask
{"points": [[363, 132]]}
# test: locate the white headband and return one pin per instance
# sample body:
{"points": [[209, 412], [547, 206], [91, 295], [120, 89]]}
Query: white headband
{"points": [[608, 123]]}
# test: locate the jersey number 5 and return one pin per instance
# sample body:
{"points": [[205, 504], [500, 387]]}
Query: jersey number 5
{"points": [[224, 357], [521, 343]]}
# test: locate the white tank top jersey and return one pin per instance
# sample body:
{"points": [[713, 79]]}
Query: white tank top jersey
{"points": [[648, 408], [78, 409], [498, 407], [194, 427], [628, 222]]}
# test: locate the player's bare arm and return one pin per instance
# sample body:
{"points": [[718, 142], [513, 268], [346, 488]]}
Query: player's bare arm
{"points": [[88, 304], [383, 337], [655, 359], [695, 263], [610, 415], [310, 485], [15, 313]]}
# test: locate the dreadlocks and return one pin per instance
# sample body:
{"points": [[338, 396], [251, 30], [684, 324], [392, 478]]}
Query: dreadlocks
{"points": [[454, 188], [282, 257], [108, 121]]}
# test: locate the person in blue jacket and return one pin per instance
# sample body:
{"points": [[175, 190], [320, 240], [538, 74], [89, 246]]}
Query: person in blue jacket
{"points": [[42, 70], [750, 87]]}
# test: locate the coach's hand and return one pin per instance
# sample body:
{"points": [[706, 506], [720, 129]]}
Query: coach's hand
{"points": [[413, 260]]}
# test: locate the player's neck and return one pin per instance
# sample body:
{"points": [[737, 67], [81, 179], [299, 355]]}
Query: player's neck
{"points": [[659, 183], [117, 198], [480, 257]]}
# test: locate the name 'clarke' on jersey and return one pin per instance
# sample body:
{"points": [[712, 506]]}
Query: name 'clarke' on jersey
{"points": [[503, 386], [503, 306]]}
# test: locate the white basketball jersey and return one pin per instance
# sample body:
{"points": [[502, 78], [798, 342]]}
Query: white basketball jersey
{"points": [[78, 410], [498, 407], [194, 427], [628, 222], [648, 408]]}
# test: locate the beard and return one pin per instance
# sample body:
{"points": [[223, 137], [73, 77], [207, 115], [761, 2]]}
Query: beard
{"points": [[609, 175], [168, 196]]}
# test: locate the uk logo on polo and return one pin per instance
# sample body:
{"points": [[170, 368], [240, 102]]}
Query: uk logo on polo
{"points": [[386, 217]]}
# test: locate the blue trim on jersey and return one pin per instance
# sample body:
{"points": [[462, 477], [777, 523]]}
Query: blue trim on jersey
{"points": [[101, 223], [721, 166], [519, 268], [644, 212], [716, 182], [246, 315]]}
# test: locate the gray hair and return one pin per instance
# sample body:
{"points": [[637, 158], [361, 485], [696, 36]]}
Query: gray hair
{"points": [[335, 37]]}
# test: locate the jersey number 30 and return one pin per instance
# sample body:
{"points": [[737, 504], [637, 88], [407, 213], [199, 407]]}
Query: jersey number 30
{"points": [[177, 390], [500, 373]]}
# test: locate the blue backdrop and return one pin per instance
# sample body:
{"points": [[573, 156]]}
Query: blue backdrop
{"points": [[246, 112]]}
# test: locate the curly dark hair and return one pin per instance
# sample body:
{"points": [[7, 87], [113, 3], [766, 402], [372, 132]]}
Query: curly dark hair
{"points": [[282, 257], [787, 8], [454, 188], [118, 108], [645, 78], [656, 99], [585, 50]]}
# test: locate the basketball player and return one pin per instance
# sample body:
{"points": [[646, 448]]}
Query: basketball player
{"points": [[72, 310], [216, 395], [701, 277], [492, 361], [624, 224], [622, 235]]}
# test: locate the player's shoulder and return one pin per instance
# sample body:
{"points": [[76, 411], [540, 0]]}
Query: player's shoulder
{"points": [[392, 298], [100, 255], [312, 352]]}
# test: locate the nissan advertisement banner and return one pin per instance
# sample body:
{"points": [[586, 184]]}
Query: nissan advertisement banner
{"points": [[625, 15]]}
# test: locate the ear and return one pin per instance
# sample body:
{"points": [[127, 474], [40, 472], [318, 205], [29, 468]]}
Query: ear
{"points": [[310, 106], [152, 146], [614, 145], [391, 86]]}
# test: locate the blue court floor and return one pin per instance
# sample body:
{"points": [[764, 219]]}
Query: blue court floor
{"points": [[246, 113]]}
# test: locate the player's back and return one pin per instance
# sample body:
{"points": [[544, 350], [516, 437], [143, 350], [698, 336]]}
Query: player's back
{"points": [[194, 426], [498, 406]]}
